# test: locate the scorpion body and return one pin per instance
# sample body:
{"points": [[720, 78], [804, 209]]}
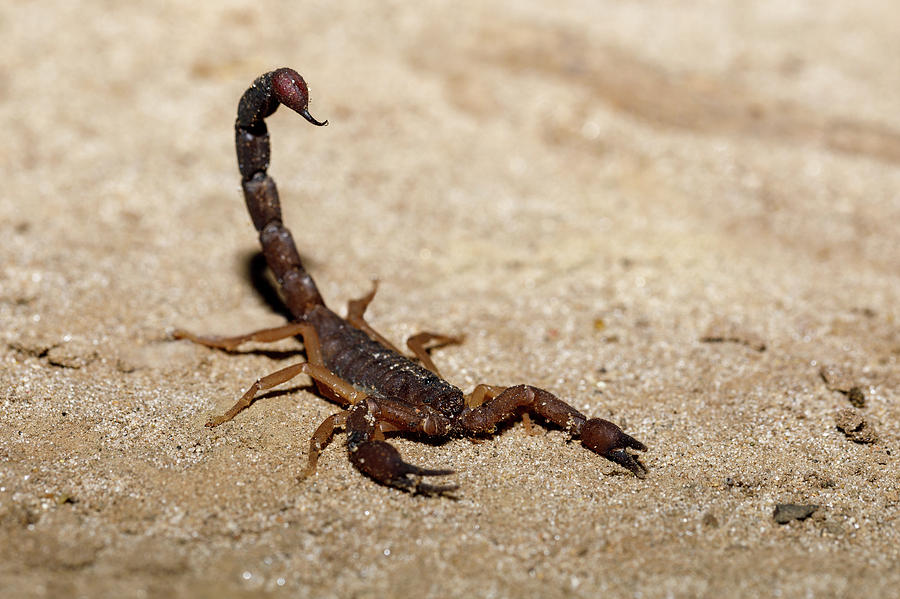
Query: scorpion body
{"points": [[380, 389]]}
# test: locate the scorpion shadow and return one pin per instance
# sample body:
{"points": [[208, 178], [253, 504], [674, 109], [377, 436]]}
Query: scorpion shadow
{"points": [[259, 275]]}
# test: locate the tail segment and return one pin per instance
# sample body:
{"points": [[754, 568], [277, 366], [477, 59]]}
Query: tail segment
{"points": [[282, 86]]}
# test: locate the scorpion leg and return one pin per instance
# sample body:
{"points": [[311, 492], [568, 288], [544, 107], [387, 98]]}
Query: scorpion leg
{"points": [[355, 310], [419, 344], [422, 343], [232, 343], [337, 386], [380, 460], [328, 383], [600, 436], [481, 393], [321, 438]]}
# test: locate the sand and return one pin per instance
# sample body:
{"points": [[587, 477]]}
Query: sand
{"points": [[681, 217]]}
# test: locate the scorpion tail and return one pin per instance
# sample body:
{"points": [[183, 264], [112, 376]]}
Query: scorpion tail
{"points": [[282, 86]]}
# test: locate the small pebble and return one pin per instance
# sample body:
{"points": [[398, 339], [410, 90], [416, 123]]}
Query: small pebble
{"points": [[785, 512], [856, 397], [851, 423]]}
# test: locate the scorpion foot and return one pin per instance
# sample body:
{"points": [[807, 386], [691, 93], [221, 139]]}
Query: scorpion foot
{"points": [[605, 438], [382, 463]]}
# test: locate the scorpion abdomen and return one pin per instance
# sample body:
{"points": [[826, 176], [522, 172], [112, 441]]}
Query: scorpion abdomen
{"points": [[371, 367]]}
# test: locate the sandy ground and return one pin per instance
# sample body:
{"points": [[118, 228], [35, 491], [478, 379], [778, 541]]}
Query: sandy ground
{"points": [[681, 216]]}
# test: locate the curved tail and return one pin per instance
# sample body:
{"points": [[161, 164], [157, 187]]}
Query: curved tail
{"points": [[282, 86]]}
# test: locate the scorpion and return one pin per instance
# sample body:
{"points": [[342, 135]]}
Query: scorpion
{"points": [[379, 389]]}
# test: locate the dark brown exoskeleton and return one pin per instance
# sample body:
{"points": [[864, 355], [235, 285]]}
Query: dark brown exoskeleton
{"points": [[380, 389]]}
